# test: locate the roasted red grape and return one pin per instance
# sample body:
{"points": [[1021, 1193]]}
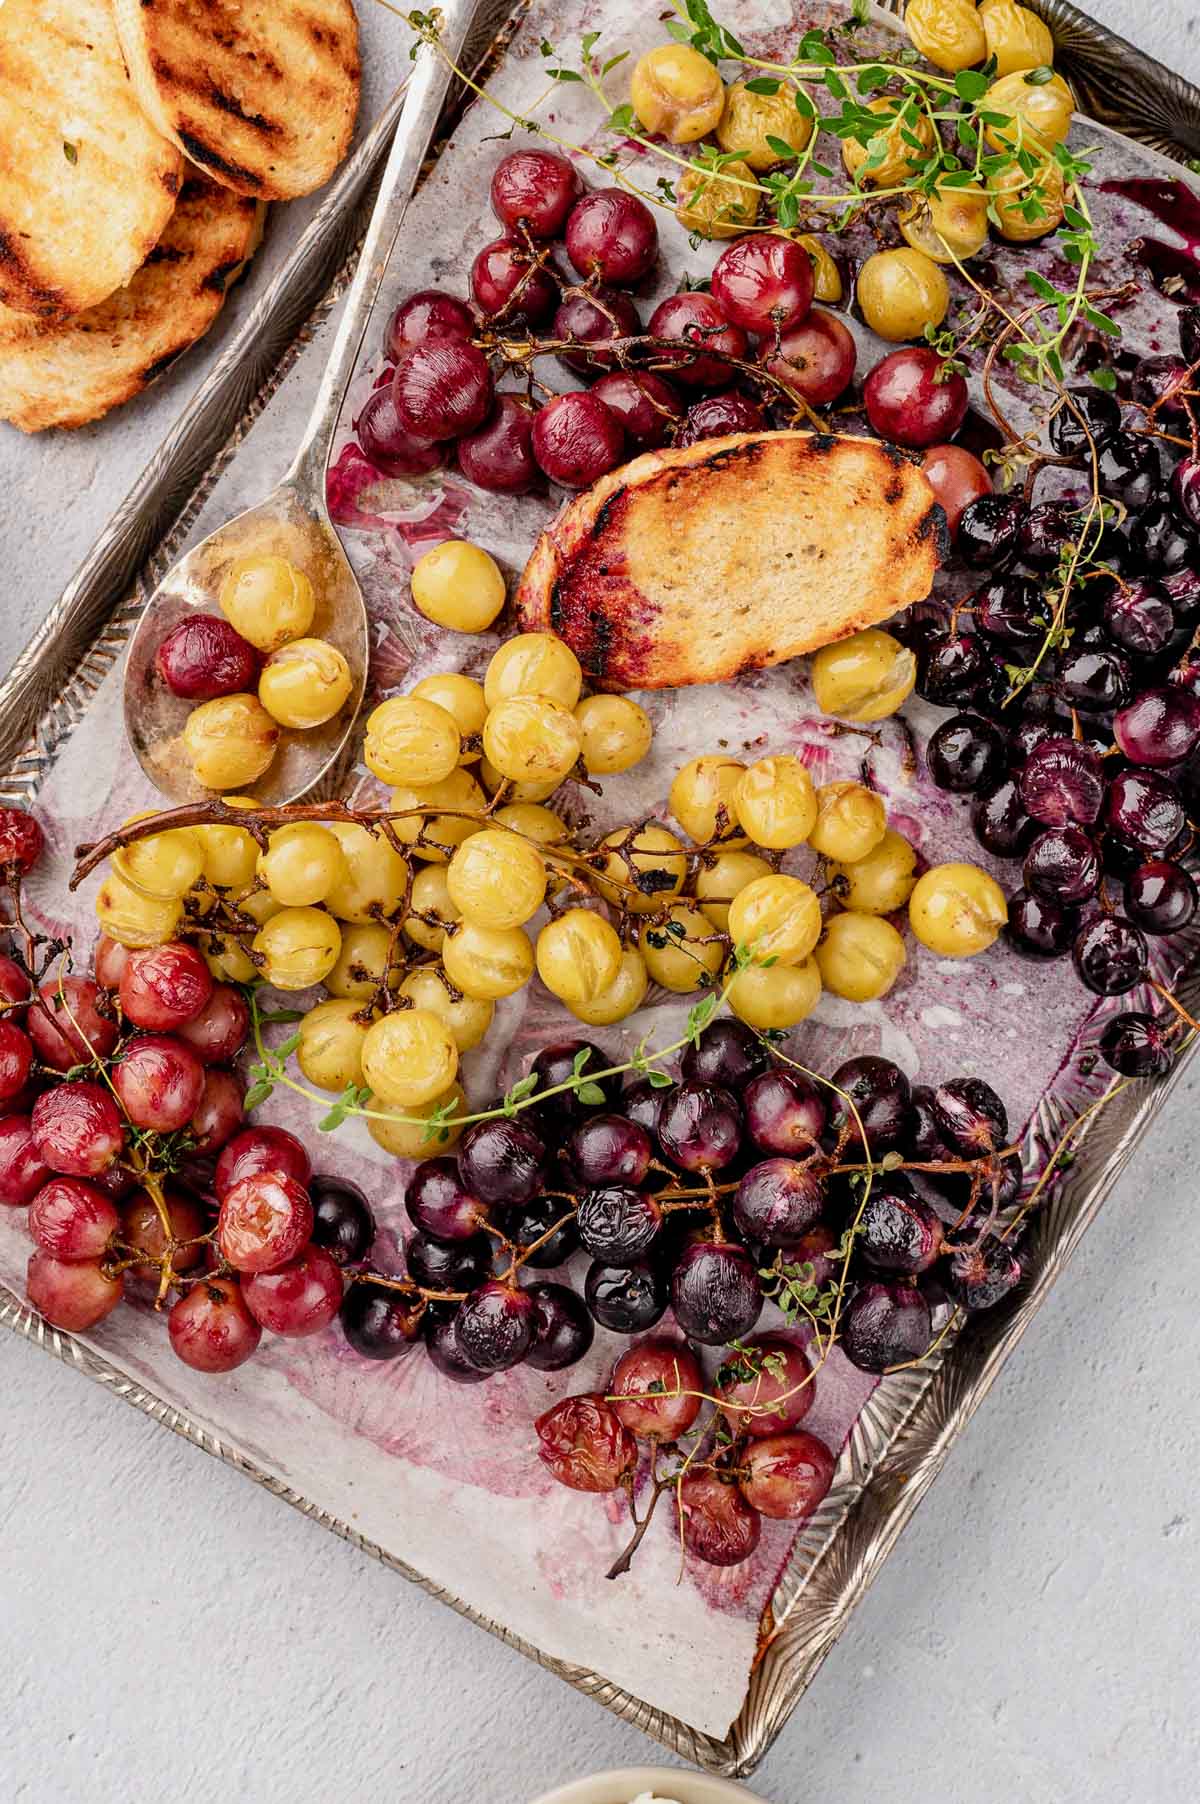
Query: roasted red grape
{"points": [[22, 1170], [204, 657], [764, 283], [593, 320], [716, 1292], [72, 1220], [499, 456], [957, 478], [74, 1294], [786, 1476], [67, 1025], [576, 440], [430, 313], [777, 1202], [717, 1524], [700, 1127], [218, 1032], [264, 1221], [261, 1149], [507, 281], [583, 1443], [815, 360], [159, 1081], [219, 1114], [717, 415], [914, 398], [210, 1327], [14, 985], [21, 840], [442, 388], [16, 1058], [695, 319], [536, 189], [163, 987], [555, 1066], [646, 405], [657, 1389], [77, 1129], [299, 1298], [766, 1386], [388, 443], [611, 234]]}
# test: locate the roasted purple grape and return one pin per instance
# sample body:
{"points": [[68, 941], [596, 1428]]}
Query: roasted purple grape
{"points": [[716, 1292], [885, 1325]]}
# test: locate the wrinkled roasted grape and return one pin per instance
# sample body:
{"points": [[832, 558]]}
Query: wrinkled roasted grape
{"points": [[717, 415], [913, 398], [999, 820], [966, 753], [1110, 955], [495, 1326], [642, 1102], [71, 1294], [727, 1054], [556, 1064], [22, 1169], [646, 405], [1063, 865], [1128, 470], [1138, 617], [388, 443], [1157, 540], [563, 1329], [1062, 783], [609, 1149], [657, 1389], [219, 1031], [261, 1149], [977, 1277], [626, 1298], [342, 1220], [506, 281], [1183, 587], [430, 313], [1145, 808], [1185, 490], [695, 319], [764, 283], [204, 657], [77, 1129], [814, 360], [766, 1386], [700, 1127], [1039, 926], [264, 1220], [584, 1444], [576, 440], [442, 1265], [380, 1322], [716, 1293], [142, 1230], [718, 1526], [786, 1476], [885, 1325], [897, 1230], [1159, 727], [16, 1059], [299, 1298], [618, 1224], [535, 189], [445, 1355], [1137, 1046], [159, 1081], [1047, 528], [1070, 434], [777, 1202], [880, 1093], [1160, 897], [21, 840], [442, 388], [593, 320], [499, 455], [527, 1223], [210, 1327], [441, 1205], [971, 1116], [502, 1161], [72, 1219], [989, 531], [785, 1112], [69, 1028], [611, 234], [953, 669], [1159, 383]]}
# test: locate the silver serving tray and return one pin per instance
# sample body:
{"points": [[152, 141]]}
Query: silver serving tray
{"points": [[903, 1437]]}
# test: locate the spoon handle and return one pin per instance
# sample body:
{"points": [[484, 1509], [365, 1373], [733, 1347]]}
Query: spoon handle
{"points": [[423, 101]]}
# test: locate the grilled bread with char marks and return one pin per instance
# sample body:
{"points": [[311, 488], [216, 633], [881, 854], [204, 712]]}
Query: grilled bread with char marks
{"points": [[67, 372], [694, 564], [87, 182], [260, 94]]}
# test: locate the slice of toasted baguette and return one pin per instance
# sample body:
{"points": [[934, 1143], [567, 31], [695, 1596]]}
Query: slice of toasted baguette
{"points": [[87, 182], [262, 95], [690, 565], [67, 372]]}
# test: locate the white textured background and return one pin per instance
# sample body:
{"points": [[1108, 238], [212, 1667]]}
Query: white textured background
{"points": [[169, 1630]]}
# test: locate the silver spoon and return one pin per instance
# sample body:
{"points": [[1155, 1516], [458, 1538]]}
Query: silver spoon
{"points": [[293, 521]]}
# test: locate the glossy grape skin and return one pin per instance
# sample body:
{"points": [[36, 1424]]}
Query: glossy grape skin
{"points": [[776, 1395], [966, 753], [15, 986], [527, 1223], [204, 657], [263, 1222], [342, 1220], [508, 284], [718, 415], [608, 1149], [700, 1127], [971, 1116], [22, 1170], [210, 1327], [786, 1476], [897, 1230], [563, 1330], [379, 1322], [502, 1161], [913, 400], [885, 1325], [1062, 865], [777, 1202], [647, 406], [618, 1224], [441, 1205], [21, 839], [445, 1265], [626, 1298], [764, 283], [16, 1059], [1010, 610], [430, 313], [584, 1444], [957, 478], [221, 1028], [1048, 527], [1145, 808], [159, 1081], [1069, 435], [1138, 618], [1136, 1045], [1160, 897], [716, 1293], [555, 1064], [1094, 681], [498, 456], [611, 234], [495, 1326], [387, 443], [717, 1524], [77, 1129], [1062, 784], [999, 820], [445, 1355], [696, 320], [727, 1054], [164, 987], [989, 530], [576, 440], [535, 189], [69, 1028], [592, 320], [785, 1113], [881, 1095], [261, 1149], [442, 388], [72, 1220], [815, 359], [953, 669], [1110, 956], [1040, 927], [978, 1277], [73, 1295], [1128, 470], [1160, 727], [656, 1389], [299, 1298]]}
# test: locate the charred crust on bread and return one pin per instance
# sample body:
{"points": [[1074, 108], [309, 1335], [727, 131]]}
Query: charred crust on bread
{"points": [[208, 158], [936, 523], [39, 297]]}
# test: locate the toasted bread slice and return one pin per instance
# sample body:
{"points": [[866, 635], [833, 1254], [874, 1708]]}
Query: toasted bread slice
{"points": [[87, 183], [262, 95], [690, 565], [67, 372]]}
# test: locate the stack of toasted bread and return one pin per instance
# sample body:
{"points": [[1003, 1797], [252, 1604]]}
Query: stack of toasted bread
{"points": [[140, 141]]}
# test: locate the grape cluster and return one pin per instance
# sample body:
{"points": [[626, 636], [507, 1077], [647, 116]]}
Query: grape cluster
{"points": [[1079, 741]]}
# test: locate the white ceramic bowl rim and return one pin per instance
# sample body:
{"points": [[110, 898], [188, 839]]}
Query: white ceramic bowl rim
{"points": [[665, 1782]]}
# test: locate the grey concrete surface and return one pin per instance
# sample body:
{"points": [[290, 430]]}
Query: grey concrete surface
{"points": [[170, 1630]]}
